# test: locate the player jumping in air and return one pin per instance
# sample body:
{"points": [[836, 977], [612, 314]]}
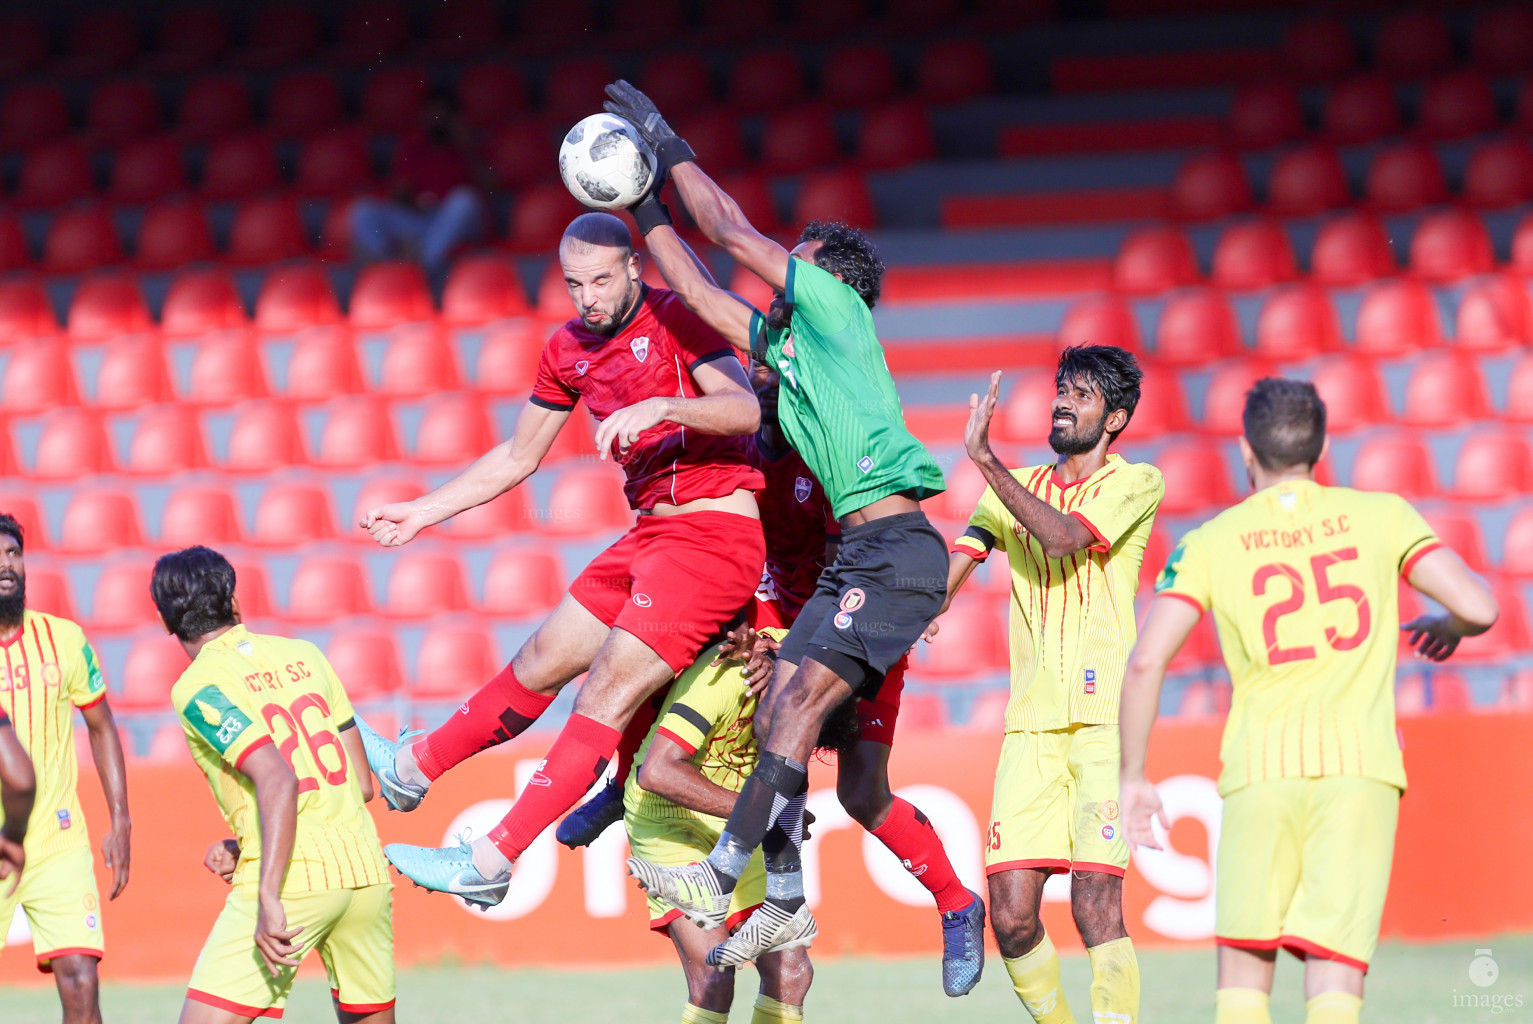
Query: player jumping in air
{"points": [[838, 408], [50, 670], [1074, 534], [673, 401], [272, 729], [1302, 582]]}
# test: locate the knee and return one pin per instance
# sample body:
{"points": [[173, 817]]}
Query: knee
{"points": [[1096, 902], [866, 802], [709, 988], [76, 976], [794, 976], [1017, 930]]}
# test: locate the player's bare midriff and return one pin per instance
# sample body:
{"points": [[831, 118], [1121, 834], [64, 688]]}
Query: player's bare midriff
{"points": [[893, 505], [739, 501]]}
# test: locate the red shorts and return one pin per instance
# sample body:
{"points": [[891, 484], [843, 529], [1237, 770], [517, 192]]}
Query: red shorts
{"points": [[675, 582], [879, 714]]}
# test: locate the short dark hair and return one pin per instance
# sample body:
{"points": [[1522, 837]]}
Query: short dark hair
{"points": [[849, 252], [193, 591], [1111, 371], [1284, 422], [11, 527]]}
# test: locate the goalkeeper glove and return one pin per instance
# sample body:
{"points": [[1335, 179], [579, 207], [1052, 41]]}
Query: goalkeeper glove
{"points": [[629, 103]]}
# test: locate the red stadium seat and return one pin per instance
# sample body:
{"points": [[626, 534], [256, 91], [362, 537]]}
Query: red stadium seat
{"points": [[23, 44], [454, 429], [1100, 320], [955, 71], [132, 373], [323, 365], [267, 230], [1361, 109], [23, 507], [392, 99], [1494, 465], [1353, 393], [1162, 405], [518, 152], [1500, 173], [389, 294], [96, 522], [291, 514], [1495, 314], [304, 102], [38, 376], [896, 134], [462, 27], [1196, 477], [1210, 186], [1451, 244], [1254, 254], [48, 591], [1501, 39], [508, 358], [1404, 177], [239, 165], [489, 94], [100, 42], [25, 312], [1460, 530], [73, 446], [750, 192], [282, 34], [1510, 637], [523, 582], [1297, 322], [835, 195], [167, 439], [426, 583], [1224, 402], [292, 298], [858, 75], [1413, 43], [201, 302], [1197, 326], [715, 136], [358, 433], [482, 289], [1516, 549], [656, 23], [919, 17], [1522, 247], [107, 306], [150, 669], [80, 240], [509, 513], [1455, 105], [1026, 418], [810, 18], [575, 88], [1308, 180], [326, 587], [1397, 317], [1319, 49], [122, 110], [419, 360], [121, 601], [1398, 463], [378, 491], [213, 106], [740, 21], [334, 163], [265, 436], [148, 169], [763, 80], [1264, 114], [1350, 250], [366, 661], [539, 216], [190, 38], [14, 251], [971, 640], [1155, 259], [454, 661], [587, 500], [33, 113], [1445, 389], [556, 26], [1519, 391], [174, 234], [799, 139]]}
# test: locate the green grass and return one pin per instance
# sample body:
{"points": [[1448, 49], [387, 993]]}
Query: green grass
{"points": [[1409, 984]]}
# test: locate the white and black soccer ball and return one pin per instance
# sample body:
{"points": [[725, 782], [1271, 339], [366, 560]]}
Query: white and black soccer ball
{"points": [[605, 164]]}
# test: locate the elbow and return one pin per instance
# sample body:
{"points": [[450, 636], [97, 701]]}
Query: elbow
{"points": [[653, 778], [735, 237], [750, 415], [1484, 611], [1062, 548]]}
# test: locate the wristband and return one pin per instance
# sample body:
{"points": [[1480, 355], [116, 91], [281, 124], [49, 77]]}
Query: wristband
{"points": [[673, 150], [650, 214]]}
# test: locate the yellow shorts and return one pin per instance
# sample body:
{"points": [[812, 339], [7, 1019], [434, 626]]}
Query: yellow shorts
{"points": [[1056, 803], [353, 929], [674, 841], [58, 893], [1304, 864]]}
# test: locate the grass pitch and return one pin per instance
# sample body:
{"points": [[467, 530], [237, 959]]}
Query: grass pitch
{"points": [[1409, 984]]}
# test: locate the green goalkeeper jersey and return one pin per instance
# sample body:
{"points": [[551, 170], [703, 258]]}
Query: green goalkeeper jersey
{"points": [[837, 404]]}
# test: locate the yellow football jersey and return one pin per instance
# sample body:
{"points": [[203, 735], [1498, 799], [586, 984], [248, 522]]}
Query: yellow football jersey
{"points": [[1072, 619], [245, 690], [48, 670], [1302, 581]]}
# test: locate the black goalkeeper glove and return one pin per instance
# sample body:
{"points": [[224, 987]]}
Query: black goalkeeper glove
{"points": [[632, 105], [649, 213]]}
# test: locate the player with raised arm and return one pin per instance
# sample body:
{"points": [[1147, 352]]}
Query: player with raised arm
{"points": [[839, 409], [673, 403], [1302, 580], [1074, 534], [50, 671], [271, 727]]}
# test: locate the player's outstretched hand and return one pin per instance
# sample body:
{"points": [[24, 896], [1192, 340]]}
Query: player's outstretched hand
{"points": [[625, 426], [393, 524], [976, 433], [115, 852], [223, 857], [273, 938], [1433, 636], [13, 858], [1141, 806], [638, 109], [930, 632]]}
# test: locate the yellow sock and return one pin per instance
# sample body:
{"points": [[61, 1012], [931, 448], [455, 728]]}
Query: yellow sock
{"points": [[1114, 982], [1241, 1006], [1035, 976], [697, 1015], [1333, 1008], [771, 1011]]}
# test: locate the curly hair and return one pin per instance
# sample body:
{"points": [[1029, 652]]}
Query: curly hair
{"points": [[847, 252], [841, 729], [11, 528], [193, 591]]}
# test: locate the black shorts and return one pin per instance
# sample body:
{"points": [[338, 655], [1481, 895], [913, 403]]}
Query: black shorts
{"points": [[874, 602]]}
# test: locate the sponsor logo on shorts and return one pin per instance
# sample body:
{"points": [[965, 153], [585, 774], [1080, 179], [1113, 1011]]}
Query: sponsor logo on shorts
{"points": [[1108, 832], [582, 366], [1091, 680], [88, 901], [853, 599], [90, 921], [640, 347], [642, 600], [865, 463], [1110, 810], [843, 620], [63, 816], [801, 488]]}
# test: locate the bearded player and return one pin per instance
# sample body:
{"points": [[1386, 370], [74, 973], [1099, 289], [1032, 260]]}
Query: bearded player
{"points": [[839, 409], [673, 402], [51, 670], [1074, 534], [1302, 581]]}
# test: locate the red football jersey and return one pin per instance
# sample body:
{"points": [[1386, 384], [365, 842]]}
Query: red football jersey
{"points": [[652, 357], [797, 519]]}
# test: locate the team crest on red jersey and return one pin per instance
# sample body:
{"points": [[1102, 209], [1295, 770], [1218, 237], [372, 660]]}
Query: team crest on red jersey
{"points": [[640, 347], [582, 366], [801, 489]]}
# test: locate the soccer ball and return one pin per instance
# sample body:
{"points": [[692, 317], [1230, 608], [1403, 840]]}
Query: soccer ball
{"points": [[605, 164]]}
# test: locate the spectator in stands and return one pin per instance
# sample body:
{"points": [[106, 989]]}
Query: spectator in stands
{"points": [[437, 194]]}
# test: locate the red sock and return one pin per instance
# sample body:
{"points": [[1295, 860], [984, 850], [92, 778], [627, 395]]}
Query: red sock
{"points": [[639, 725], [910, 836], [502, 708], [574, 763]]}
